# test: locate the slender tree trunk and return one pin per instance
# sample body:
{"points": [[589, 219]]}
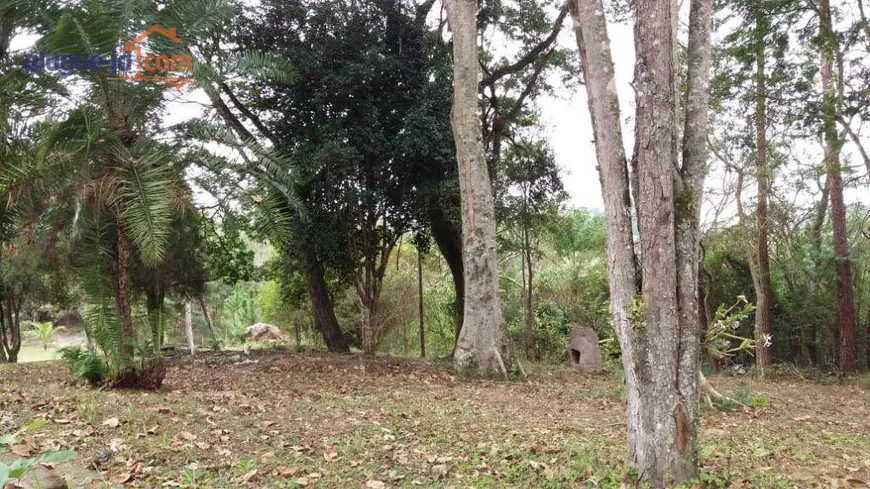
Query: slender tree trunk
{"points": [[188, 325], [205, 314], [656, 318], [420, 303], [763, 290], [15, 326], [123, 298], [529, 299], [483, 348], [321, 302], [368, 324], [846, 320], [10, 333]]}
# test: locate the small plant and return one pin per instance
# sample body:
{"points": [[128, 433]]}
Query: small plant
{"points": [[750, 398], [86, 364], [637, 313], [44, 333]]}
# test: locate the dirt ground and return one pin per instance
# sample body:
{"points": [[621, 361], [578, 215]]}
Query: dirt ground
{"points": [[316, 420]]}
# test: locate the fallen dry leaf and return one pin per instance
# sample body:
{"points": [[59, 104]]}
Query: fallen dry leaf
{"points": [[375, 484], [23, 450], [247, 477], [112, 422], [186, 435], [302, 481]]}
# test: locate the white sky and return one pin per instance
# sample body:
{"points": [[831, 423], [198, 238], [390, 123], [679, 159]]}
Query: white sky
{"points": [[565, 116]]}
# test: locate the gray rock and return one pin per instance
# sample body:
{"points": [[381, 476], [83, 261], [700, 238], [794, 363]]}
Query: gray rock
{"points": [[263, 332], [585, 352]]}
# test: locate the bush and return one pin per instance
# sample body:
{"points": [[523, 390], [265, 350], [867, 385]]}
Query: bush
{"points": [[86, 364]]}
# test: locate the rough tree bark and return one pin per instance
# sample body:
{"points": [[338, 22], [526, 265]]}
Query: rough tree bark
{"points": [[321, 302], [847, 324], [483, 348], [655, 313], [761, 275], [124, 296], [10, 328]]}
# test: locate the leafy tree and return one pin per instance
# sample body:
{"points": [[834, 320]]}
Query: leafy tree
{"points": [[529, 207]]}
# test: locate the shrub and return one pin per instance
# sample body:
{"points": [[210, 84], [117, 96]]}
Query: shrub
{"points": [[86, 364]]}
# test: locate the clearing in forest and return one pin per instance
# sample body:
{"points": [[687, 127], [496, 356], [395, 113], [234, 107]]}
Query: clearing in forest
{"points": [[276, 419]]}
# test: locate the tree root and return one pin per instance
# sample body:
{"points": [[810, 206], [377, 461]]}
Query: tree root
{"points": [[711, 393]]}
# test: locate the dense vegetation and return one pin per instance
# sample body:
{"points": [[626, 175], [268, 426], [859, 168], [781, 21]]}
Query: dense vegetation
{"points": [[335, 181]]}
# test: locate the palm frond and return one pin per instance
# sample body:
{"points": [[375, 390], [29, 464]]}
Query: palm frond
{"points": [[145, 189], [264, 66]]}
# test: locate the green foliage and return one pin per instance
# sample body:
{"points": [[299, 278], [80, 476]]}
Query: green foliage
{"points": [[86, 364], [240, 311], [720, 339], [637, 313], [44, 333]]}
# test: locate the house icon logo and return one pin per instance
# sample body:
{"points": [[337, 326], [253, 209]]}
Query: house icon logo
{"points": [[172, 70]]}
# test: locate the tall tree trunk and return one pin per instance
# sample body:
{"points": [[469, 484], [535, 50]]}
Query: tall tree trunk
{"points": [[846, 320], [763, 289], [529, 298], [321, 302], [449, 241], [123, 298], [205, 314], [483, 348], [420, 303], [188, 325], [656, 318]]}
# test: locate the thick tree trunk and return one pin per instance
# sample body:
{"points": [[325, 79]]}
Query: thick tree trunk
{"points": [[188, 326], [123, 298], [846, 320], [449, 241], [483, 348], [656, 320], [763, 288], [321, 302]]}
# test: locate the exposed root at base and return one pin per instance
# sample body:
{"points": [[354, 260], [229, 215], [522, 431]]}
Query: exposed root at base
{"points": [[711, 393]]}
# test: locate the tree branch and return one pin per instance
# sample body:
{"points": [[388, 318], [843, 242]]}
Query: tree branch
{"points": [[530, 57], [247, 113]]}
